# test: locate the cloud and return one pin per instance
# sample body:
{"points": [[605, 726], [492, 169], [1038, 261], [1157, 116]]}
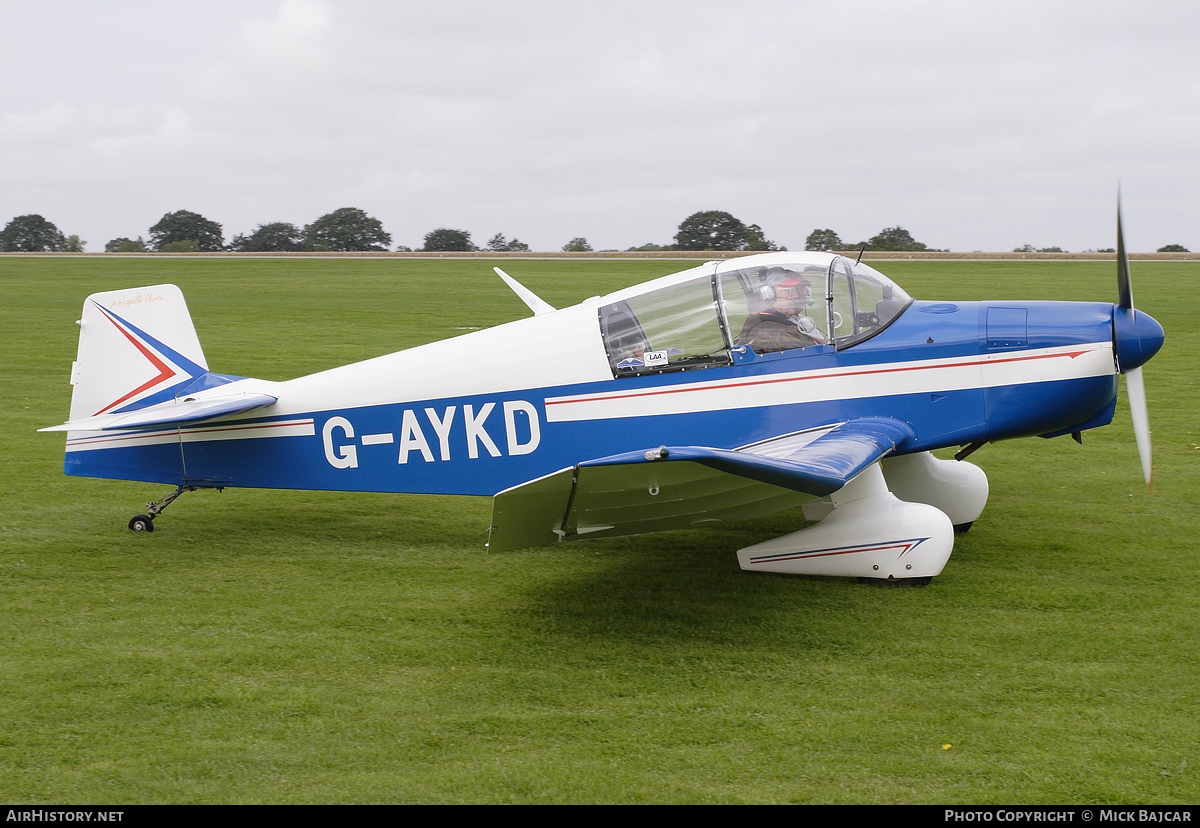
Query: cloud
{"points": [[974, 127]]}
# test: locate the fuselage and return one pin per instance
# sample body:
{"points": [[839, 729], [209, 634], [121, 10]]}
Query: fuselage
{"points": [[488, 410]]}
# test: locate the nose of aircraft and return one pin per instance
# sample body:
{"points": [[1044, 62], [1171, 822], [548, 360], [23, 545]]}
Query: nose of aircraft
{"points": [[1137, 337]]}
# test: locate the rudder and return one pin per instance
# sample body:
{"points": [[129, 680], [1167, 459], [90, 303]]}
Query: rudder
{"points": [[137, 347]]}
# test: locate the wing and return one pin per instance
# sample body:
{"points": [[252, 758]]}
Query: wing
{"points": [[677, 487], [171, 413]]}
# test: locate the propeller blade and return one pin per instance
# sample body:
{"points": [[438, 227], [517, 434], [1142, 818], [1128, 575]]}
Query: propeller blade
{"points": [[1141, 422], [1136, 338], [1124, 290]]}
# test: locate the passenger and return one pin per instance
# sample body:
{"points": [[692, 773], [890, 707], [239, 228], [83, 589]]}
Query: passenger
{"points": [[783, 325]]}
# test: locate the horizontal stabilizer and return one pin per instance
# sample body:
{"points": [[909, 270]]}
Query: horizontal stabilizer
{"points": [[171, 413]]}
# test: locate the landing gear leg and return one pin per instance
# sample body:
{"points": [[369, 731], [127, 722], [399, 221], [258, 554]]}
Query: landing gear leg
{"points": [[145, 523], [864, 531]]}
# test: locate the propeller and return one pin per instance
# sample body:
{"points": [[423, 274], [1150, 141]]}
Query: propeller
{"points": [[1136, 389], [1136, 338]]}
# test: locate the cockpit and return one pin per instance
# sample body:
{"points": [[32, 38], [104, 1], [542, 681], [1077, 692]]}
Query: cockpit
{"points": [[740, 309]]}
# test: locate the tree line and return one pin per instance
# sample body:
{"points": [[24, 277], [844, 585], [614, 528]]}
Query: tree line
{"points": [[350, 229]]}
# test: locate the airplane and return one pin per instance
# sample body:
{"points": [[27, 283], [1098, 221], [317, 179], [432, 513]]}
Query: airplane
{"points": [[725, 392]]}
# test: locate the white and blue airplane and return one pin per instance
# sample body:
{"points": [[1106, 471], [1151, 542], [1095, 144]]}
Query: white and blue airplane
{"points": [[725, 392]]}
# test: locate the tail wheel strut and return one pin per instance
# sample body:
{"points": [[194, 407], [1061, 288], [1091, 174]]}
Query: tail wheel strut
{"points": [[145, 523]]}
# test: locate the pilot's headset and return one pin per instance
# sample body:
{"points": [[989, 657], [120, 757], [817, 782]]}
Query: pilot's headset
{"points": [[781, 277], [771, 277]]}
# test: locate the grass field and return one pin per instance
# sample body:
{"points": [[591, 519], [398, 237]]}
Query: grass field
{"points": [[307, 647]]}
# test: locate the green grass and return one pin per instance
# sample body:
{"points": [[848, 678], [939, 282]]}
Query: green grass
{"points": [[296, 647]]}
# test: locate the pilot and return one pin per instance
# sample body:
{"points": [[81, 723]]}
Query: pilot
{"points": [[783, 325]]}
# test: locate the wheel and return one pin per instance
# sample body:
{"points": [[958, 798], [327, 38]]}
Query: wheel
{"points": [[141, 523]]}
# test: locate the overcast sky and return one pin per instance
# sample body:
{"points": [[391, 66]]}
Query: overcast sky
{"points": [[976, 126]]}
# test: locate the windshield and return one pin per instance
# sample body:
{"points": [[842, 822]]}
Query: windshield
{"points": [[863, 303]]}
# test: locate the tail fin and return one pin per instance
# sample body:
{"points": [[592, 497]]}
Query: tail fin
{"points": [[137, 381], [137, 347]]}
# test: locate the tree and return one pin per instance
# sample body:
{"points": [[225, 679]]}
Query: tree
{"points": [[718, 230], [75, 245], [577, 245], [446, 240], [185, 226], [823, 240], [755, 240], [31, 234], [181, 246], [893, 238], [1173, 248], [278, 236], [346, 229], [710, 230], [499, 244], [124, 245]]}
